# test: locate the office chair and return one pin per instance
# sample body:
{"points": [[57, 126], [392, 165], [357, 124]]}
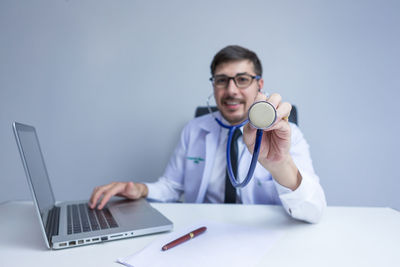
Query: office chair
{"points": [[202, 110]]}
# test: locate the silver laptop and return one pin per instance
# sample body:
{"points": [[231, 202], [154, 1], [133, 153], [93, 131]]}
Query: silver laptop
{"points": [[71, 224]]}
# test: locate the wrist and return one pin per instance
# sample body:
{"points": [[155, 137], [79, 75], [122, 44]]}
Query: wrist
{"points": [[276, 165], [285, 172], [144, 190]]}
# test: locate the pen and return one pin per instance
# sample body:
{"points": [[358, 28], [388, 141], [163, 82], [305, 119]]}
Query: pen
{"points": [[184, 238]]}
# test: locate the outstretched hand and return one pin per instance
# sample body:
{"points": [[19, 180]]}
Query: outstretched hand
{"points": [[275, 144]]}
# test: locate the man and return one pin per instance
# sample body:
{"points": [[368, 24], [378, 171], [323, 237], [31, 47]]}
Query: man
{"points": [[197, 170]]}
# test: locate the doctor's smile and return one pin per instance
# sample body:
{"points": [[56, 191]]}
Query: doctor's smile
{"points": [[232, 103]]}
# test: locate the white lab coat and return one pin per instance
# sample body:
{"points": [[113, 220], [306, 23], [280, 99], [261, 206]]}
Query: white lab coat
{"points": [[190, 166]]}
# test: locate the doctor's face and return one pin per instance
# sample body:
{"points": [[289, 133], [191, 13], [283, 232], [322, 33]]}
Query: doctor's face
{"points": [[234, 102]]}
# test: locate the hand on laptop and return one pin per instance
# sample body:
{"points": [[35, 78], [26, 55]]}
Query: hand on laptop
{"points": [[124, 189]]}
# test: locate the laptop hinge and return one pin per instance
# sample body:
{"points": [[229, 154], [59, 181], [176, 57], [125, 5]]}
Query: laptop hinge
{"points": [[52, 223]]}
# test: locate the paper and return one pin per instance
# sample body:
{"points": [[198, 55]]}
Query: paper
{"points": [[221, 245]]}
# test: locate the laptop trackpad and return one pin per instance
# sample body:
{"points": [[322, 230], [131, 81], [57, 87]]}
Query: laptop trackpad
{"points": [[137, 212]]}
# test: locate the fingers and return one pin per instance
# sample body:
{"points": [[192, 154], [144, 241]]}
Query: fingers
{"points": [[283, 111], [105, 192], [275, 99], [97, 193], [260, 97], [281, 126], [282, 108], [114, 190]]}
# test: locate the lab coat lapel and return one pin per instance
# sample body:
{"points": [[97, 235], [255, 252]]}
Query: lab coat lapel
{"points": [[211, 147]]}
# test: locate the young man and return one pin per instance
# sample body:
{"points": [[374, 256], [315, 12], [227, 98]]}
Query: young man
{"points": [[284, 173]]}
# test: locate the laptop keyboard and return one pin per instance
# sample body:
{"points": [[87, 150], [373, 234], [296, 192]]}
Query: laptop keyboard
{"points": [[81, 219]]}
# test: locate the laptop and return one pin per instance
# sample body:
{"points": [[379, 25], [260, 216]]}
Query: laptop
{"points": [[73, 223]]}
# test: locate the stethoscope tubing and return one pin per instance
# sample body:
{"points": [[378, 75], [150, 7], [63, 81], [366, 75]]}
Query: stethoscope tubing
{"points": [[235, 182]]}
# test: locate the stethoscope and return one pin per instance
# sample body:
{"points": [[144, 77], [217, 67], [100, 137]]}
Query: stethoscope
{"points": [[261, 115]]}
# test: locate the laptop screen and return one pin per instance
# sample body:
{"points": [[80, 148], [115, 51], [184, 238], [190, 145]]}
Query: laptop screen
{"points": [[35, 167]]}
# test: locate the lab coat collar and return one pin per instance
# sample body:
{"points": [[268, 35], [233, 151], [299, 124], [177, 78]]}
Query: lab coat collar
{"points": [[208, 122]]}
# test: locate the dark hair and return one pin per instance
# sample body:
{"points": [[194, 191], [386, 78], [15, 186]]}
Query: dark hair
{"points": [[235, 53]]}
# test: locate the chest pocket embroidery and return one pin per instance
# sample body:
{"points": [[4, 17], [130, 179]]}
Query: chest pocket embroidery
{"points": [[196, 160]]}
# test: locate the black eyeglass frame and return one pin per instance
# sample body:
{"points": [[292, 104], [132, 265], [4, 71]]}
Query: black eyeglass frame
{"points": [[257, 77]]}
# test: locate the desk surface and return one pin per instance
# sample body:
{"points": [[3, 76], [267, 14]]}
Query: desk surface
{"points": [[346, 236]]}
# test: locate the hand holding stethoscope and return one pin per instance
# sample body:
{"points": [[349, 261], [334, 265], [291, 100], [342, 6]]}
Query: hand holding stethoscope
{"points": [[266, 134], [276, 139]]}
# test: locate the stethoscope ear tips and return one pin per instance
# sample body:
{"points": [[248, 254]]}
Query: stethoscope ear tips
{"points": [[262, 115]]}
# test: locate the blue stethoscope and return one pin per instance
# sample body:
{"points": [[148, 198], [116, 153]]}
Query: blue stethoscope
{"points": [[261, 115]]}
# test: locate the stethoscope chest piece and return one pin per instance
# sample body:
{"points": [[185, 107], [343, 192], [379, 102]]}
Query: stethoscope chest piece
{"points": [[262, 115]]}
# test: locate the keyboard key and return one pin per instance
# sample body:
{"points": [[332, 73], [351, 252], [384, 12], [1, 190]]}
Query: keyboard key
{"points": [[102, 221]]}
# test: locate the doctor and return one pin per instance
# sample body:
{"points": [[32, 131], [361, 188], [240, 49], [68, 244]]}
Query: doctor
{"points": [[284, 174]]}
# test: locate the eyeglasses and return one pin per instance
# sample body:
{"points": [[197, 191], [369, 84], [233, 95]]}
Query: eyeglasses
{"points": [[241, 80]]}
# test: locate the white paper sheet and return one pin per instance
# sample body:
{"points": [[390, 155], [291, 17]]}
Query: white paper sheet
{"points": [[221, 245]]}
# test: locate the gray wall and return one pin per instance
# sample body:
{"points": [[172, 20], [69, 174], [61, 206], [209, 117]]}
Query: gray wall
{"points": [[110, 84]]}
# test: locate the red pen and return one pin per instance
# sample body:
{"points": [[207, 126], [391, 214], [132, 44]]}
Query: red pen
{"points": [[184, 238]]}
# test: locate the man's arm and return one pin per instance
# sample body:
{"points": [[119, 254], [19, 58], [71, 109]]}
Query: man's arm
{"points": [[297, 184], [307, 202]]}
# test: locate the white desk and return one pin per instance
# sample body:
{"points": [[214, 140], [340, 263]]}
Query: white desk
{"points": [[345, 236]]}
